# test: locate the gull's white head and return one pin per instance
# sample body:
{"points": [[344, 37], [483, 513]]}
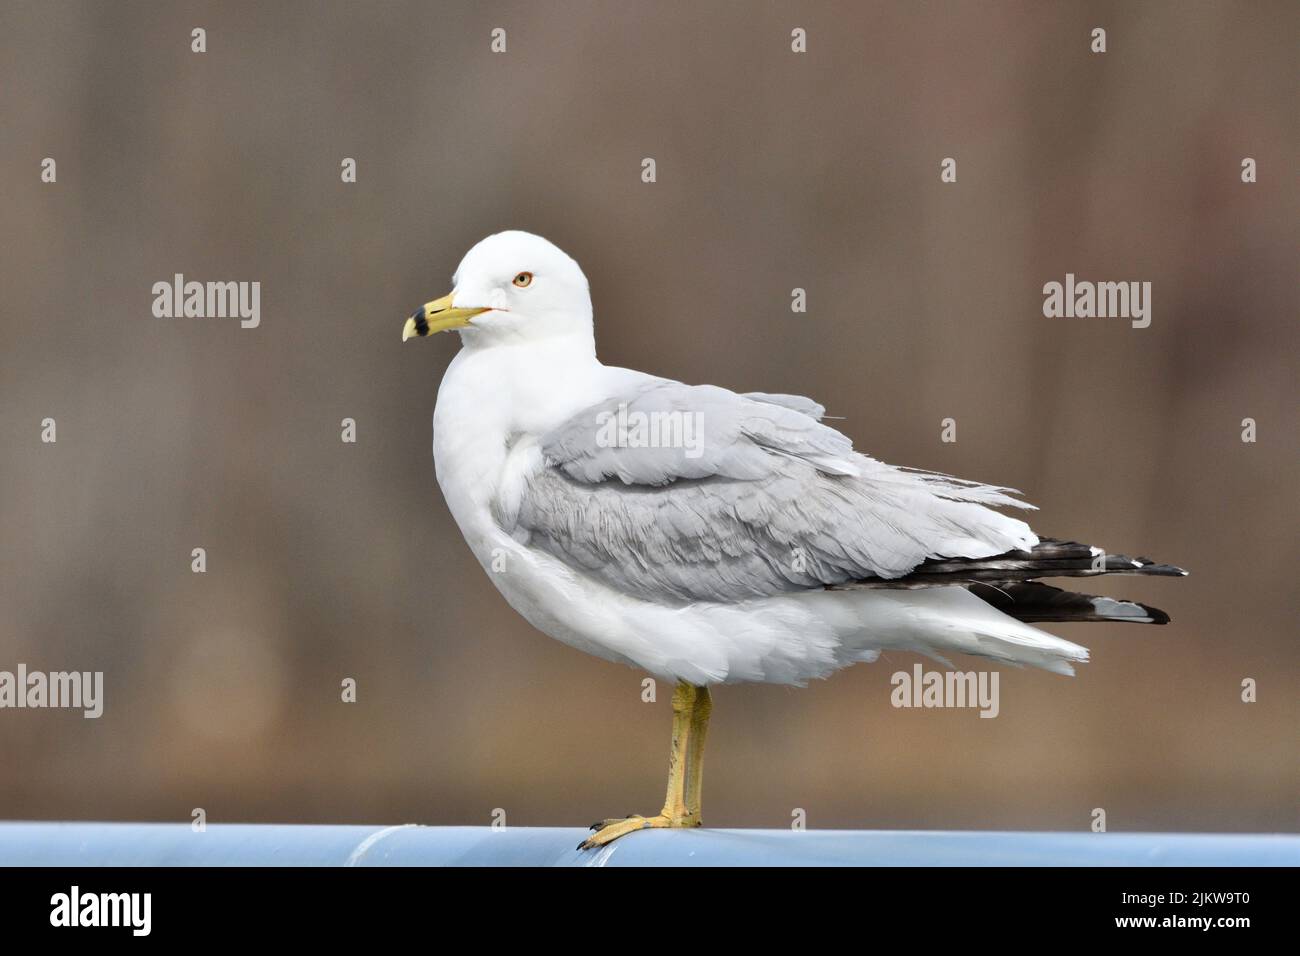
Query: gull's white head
{"points": [[510, 287]]}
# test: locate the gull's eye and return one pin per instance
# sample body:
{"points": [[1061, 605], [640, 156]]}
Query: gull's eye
{"points": [[524, 280]]}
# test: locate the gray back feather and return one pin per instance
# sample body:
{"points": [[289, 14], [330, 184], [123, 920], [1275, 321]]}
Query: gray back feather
{"points": [[764, 499]]}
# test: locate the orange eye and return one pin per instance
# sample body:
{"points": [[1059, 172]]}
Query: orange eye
{"points": [[524, 280]]}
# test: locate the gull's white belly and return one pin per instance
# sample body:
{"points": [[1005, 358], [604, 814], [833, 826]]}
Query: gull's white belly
{"points": [[780, 639], [482, 453]]}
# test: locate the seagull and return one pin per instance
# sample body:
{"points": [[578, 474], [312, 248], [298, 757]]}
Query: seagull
{"points": [[709, 537]]}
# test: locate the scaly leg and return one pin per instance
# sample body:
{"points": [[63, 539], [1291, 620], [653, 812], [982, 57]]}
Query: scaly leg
{"points": [[691, 708]]}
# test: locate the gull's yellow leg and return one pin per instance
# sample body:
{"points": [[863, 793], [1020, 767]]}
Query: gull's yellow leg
{"points": [[691, 708]]}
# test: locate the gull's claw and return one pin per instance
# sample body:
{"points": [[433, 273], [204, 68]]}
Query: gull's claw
{"points": [[601, 824], [610, 830]]}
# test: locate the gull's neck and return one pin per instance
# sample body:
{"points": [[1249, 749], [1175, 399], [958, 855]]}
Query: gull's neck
{"points": [[493, 405]]}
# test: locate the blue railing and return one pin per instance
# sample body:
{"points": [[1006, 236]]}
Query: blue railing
{"points": [[224, 844]]}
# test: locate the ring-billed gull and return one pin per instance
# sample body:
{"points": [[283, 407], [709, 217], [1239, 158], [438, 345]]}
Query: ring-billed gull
{"points": [[707, 536]]}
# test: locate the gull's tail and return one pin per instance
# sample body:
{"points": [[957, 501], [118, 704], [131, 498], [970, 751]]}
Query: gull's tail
{"points": [[985, 606]]}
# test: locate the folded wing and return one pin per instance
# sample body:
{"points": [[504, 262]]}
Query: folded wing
{"points": [[695, 493]]}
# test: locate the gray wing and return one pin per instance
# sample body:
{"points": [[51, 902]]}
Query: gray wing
{"points": [[685, 493]]}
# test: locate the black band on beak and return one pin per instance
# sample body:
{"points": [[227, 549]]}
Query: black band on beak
{"points": [[421, 323]]}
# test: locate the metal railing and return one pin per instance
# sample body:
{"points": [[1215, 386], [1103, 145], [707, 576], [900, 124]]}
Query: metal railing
{"points": [[225, 844]]}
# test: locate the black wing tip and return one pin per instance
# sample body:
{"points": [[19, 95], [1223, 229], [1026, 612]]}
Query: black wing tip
{"points": [[1147, 566], [1157, 616], [1153, 614], [1034, 603], [1050, 558], [1061, 547]]}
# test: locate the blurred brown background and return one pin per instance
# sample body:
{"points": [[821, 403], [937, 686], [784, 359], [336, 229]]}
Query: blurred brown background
{"points": [[775, 170]]}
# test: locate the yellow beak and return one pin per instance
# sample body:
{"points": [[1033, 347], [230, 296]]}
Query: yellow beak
{"points": [[438, 316]]}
